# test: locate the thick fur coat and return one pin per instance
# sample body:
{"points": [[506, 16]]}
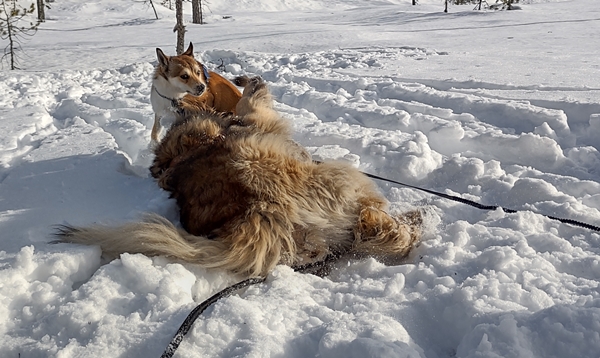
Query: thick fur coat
{"points": [[250, 198]]}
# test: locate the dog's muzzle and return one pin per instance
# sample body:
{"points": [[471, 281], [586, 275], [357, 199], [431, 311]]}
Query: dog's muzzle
{"points": [[199, 90]]}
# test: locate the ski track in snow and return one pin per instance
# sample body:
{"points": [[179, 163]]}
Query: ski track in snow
{"points": [[464, 139]]}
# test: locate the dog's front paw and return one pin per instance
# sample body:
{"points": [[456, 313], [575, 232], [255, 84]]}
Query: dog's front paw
{"points": [[177, 106], [176, 103]]}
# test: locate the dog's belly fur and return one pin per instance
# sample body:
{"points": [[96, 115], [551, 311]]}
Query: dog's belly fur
{"points": [[207, 196]]}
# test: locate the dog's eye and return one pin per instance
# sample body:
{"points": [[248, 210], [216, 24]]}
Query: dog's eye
{"points": [[185, 77]]}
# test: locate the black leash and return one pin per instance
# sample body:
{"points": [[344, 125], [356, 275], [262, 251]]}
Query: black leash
{"points": [[196, 312], [484, 207]]}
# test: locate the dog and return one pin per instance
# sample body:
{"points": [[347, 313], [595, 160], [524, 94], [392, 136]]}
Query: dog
{"points": [[250, 199], [181, 83]]}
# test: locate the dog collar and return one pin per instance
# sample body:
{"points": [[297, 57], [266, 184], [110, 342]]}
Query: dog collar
{"points": [[161, 95], [206, 75]]}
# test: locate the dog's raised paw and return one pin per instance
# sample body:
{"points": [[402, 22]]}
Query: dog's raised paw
{"points": [[241, 81], [256, 83]]}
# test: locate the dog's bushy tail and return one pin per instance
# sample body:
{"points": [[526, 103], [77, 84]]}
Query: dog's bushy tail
{"points": [[153, 236], [253, 248]]}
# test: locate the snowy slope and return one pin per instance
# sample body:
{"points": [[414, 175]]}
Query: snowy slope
{"points": [[498, 107]]}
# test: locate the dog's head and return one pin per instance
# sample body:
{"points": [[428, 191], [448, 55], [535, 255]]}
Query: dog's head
{"points": [[183, 72]]}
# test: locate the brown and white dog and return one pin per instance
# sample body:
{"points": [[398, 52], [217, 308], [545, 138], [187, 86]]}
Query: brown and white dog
{"points": [[181, 83], [250, 199]]}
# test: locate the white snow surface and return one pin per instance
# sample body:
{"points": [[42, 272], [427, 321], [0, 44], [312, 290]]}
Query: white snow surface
{"points": [[500, 107]]}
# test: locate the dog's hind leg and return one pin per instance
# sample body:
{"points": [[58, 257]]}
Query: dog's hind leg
{"points": [[256, 95], [380, 235], [257, 242], [256, 107]]}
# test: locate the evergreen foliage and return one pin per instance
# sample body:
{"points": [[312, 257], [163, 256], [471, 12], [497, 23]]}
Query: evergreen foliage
{"points": [[16, 23], [498, 4]]}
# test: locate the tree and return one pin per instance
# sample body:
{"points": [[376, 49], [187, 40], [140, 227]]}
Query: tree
{"points": [[179, 27], [167, 3], [507, 4], [41, 10], [12, 15], [153, 8], [197, 12]]}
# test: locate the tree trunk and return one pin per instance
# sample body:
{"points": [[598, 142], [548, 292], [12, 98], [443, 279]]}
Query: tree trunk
{"points": [[197, 11], [179, 27], [41, 11], [11, 45]]}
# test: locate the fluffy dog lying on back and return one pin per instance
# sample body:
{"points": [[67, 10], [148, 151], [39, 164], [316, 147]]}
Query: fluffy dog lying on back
{"points": [[250, 198]]}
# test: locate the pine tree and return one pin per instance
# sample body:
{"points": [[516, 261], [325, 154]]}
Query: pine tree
{"points": [[12, 28], [508, 4], [503, 5]]}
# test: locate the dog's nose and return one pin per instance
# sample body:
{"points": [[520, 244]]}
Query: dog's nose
{"points": [[200, 89]]}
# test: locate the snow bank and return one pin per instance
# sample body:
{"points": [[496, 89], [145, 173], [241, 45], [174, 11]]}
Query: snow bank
{"points": [[402, 102]]}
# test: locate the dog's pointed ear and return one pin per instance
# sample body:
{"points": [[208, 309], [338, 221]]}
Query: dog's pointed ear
{"points": [[163, 60], [189, 51]]}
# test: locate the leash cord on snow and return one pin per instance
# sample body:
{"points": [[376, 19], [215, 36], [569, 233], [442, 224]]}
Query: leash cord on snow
{"points": [[196, 312], [481, 206]]}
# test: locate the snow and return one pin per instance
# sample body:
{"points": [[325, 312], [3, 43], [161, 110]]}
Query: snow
{"points": [[498, 107]]}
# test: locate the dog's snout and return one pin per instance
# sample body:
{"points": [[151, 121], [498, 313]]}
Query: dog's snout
{"points": [[200, 89]]}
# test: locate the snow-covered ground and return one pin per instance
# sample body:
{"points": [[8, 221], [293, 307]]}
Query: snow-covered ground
{"points": [[498, 107]]}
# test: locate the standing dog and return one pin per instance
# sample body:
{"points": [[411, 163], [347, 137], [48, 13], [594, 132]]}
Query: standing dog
{"points": [[249, 199], [182, 83]]}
